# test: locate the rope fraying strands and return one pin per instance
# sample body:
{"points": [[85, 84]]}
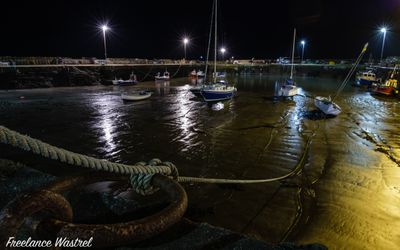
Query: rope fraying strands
{"points": [[141, 173]]}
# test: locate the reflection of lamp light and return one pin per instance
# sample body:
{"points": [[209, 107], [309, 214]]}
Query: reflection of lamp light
{"points": [[383, 30], [303, 43], [185, 42], [223, 50], [104, 28]]}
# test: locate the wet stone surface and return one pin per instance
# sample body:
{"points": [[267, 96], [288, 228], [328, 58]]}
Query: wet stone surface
{"points": [[344, 193]]}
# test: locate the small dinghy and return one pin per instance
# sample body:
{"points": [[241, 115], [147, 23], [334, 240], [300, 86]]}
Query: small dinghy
{"points": [[327, 106], [136, 96]]}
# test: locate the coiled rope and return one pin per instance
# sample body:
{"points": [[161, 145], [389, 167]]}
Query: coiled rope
{"points": [[140, 173]]}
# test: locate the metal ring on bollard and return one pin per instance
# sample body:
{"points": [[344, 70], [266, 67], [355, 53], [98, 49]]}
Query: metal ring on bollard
{"points": [[108, 235], [12, 216]]}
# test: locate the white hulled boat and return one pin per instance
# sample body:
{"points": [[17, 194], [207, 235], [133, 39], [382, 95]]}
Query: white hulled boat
{"points": [[326, 104], [164, 77], [136, 96], [132, 80], [289, 87]]}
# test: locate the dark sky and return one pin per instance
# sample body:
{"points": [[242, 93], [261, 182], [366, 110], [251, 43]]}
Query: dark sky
{"points": [[154, 28]]}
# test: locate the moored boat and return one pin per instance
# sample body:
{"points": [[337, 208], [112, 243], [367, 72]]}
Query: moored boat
{"points": [[366, 78], [216, 90], [389, 88], [327, 106], [289, 87], [164, 77], [132, 80], [136, 96]]}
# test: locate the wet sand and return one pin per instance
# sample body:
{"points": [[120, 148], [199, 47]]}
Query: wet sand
{"points": [[345, 196]]}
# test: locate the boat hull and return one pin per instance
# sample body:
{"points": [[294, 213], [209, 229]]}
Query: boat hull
{"points": [[288, 91], [387, 91], [217, 95], [327, 107], [135, 97], [365, 82], [124, 82], [162, 78]]}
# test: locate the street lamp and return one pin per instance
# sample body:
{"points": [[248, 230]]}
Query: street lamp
{"points": [[104, 28], [303, 43], [185, 42], [223, 50], [383, 30]]}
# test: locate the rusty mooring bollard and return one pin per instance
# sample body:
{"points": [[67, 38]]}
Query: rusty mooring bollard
{"points": [[104, 235]]}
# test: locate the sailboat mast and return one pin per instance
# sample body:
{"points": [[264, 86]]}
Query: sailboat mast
{"points": [[393, 72], [294, 43], [215, 40]]}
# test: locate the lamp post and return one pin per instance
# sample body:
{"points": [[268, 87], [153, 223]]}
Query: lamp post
{"points": [[303, 43], [185, 42], [383, 30], [104, 28]]}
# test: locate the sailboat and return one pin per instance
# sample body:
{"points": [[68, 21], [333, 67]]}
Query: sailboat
{"points": [[289, 88], [326, 104], [216, 90]]}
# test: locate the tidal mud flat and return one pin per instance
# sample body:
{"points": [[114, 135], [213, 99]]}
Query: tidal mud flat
{"points": [[345, 195]]}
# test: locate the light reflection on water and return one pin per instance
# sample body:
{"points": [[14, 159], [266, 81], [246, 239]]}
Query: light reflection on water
{"points": [[241, 138], [107, 122]]}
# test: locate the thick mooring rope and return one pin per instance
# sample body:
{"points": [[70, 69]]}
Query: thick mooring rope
{"points": [[140, 173], [38, 147]]}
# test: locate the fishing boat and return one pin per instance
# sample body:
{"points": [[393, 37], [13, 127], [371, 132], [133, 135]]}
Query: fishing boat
{"points": [[136, 96], [366, 78], [289, 88], [132, 80], [216, 91], [164, 77], [389, 88], [326, 104]]}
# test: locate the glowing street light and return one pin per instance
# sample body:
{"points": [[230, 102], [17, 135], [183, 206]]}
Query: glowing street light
{"points": [[105, 28], [383, 30], [223, 50], [303, 44], [185, 42]]}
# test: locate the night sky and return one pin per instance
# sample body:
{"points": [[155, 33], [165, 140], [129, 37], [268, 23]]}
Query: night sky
{"points": [[154, 29]]}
